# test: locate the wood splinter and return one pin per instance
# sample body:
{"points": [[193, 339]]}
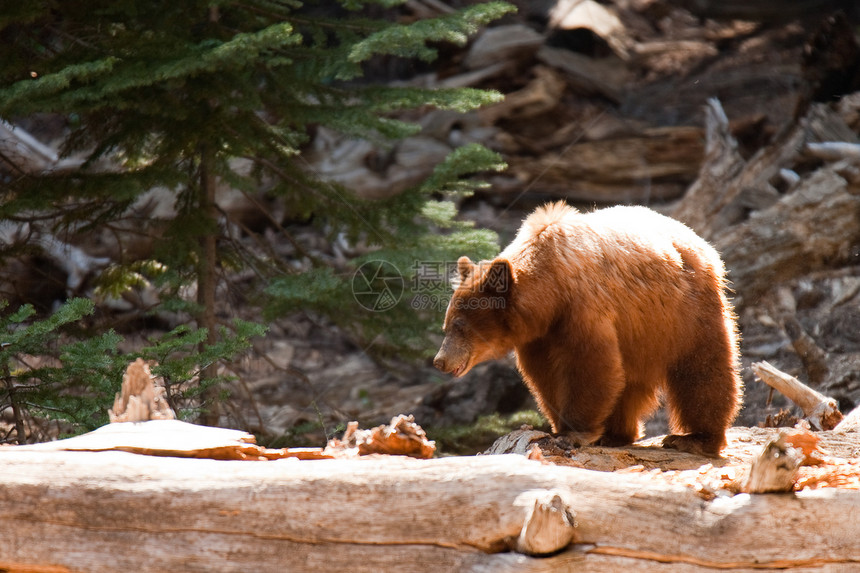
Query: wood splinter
{"points": [[821, 412], [775, 469], [142, 397]]}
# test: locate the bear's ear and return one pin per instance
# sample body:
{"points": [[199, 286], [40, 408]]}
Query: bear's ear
{"points": [[465, 268], [499, 278]]}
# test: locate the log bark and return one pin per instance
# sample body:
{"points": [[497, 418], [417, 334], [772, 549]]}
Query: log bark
{"points": [[110, 511], [660, 161]]}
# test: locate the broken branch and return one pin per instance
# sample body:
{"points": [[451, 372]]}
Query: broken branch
{"points": [[821, 412]]}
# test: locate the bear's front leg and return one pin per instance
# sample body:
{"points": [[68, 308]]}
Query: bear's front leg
{"points": [[576, 384]]}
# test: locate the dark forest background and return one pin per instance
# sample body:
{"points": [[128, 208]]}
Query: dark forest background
{"points": [[265, 198]]}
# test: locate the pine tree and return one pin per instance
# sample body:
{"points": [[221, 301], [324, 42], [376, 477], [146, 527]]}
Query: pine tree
{"points": [[168, 94]]}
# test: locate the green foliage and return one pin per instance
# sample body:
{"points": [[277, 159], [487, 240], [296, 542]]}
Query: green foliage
{"points": [[52, 370], [117, 279], [412, 40], [181, 362], [168, 94], [47, 376]]}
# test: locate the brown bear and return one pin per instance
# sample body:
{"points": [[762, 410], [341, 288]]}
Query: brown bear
{"points": [[605, 310]]}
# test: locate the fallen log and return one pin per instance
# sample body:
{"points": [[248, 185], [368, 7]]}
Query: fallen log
{"points": [[653, 165], [20, 152], [109, 511], [765, 250], [173, 438]]}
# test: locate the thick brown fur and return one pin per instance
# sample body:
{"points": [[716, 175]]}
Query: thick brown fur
{"points": [[605, 310]]}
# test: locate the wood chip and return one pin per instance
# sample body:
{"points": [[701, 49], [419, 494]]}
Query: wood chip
{"points": [[402, 436]]}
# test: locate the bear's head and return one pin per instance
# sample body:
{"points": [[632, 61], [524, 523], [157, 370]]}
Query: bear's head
{"points": [[477, 324]]}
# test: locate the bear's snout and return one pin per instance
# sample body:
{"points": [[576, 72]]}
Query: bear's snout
{"points": [[440, 363], [450, 362]]}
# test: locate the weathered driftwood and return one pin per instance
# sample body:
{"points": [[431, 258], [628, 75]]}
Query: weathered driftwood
{"points": [[540, 95], [372, 172], [824, 216], [768, 235], [729, 187], [20, 152], [173, 438], [589, 76], [502, 43], [601, 20], [722, 163], [821, 412], [829, 459], [814, 358], [112, 511], [402, 436], [74, 261]]}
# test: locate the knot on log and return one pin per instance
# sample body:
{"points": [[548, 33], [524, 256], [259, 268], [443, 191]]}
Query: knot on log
{"points": [[549, 523]]}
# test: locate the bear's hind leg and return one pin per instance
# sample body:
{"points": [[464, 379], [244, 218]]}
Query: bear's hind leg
{"points": [[703, 395]]}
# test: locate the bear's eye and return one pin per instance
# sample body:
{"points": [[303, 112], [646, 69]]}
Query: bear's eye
{"points": [[459, 323]]}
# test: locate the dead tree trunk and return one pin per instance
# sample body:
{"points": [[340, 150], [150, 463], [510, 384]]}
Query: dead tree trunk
{"points": [[766, 235]]}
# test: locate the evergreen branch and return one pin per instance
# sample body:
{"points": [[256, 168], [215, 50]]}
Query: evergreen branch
{"points": [[157, 89], [359, 4], [410, 40], [51, 84], [260, 243], [88, 84], [74, 39], [388, 99]]}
